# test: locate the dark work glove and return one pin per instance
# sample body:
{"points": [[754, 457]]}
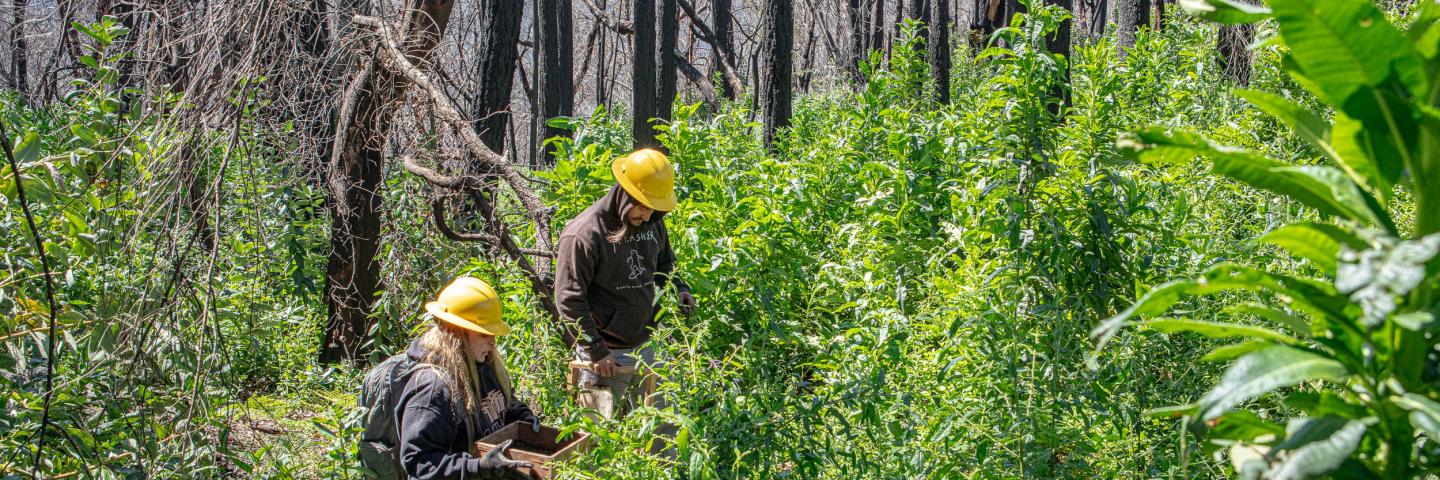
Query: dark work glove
{"points": [[494, 465], [687, 303]]}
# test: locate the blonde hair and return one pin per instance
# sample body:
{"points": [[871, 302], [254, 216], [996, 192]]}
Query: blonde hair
{"points": [[444, 347]]}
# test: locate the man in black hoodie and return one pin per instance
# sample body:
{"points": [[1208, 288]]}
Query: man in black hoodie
{"points": [[614, 257]]}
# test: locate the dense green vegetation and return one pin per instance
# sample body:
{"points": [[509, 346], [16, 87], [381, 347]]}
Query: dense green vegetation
{"points": [[900, 291]]}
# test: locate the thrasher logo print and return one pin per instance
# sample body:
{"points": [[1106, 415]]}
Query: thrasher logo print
{"points": [[637, 265], [493, 406]]}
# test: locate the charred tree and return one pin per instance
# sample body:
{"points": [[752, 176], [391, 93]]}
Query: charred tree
{"points": [[876, 30], [919, 12], [779, 25], [642, 76], [1127, 19], [858, 35], [1058, 42], [555, 87], [356, 174], [18, 51], [1233, 46], [722, 24], [665, 88], [939, 44], [500, 52]]}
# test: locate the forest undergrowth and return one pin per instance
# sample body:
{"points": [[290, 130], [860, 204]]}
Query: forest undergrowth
{"points": [[899, 290]]}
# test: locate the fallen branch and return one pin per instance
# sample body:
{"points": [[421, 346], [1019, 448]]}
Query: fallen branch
{"points": [[394, 58], [698, 79], [722, 54]]}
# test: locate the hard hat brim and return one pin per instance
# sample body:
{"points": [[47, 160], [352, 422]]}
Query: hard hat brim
{"points": [[657, 203], [495, 329]]}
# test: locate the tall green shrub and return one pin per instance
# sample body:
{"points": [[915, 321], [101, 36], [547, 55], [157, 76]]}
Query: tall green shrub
{"points": [[1362, 326]]}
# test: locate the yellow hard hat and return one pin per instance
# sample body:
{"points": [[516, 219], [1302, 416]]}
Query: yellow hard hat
{"points": [[647, 175], [471, 304]]}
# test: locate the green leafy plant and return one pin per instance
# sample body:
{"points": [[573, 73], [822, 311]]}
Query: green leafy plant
{"points": [[1352, 348]]}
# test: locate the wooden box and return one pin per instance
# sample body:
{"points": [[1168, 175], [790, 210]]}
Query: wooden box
{"points": [[538, 448]]}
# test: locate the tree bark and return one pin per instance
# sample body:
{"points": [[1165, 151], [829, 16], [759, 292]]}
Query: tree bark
{"points": [[499, 44], [940, 50], [18, 51], [858, 35], [779, 18], [665, 88], [876, 31], [1232, 45], [1059, 43], [722, 24], [918, 11], [556, 87], [642, 76], [1159, 15], [1127, 18], [352, 274]]}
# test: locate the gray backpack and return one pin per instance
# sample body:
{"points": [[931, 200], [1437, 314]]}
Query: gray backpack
{"points": [[380, 442]]}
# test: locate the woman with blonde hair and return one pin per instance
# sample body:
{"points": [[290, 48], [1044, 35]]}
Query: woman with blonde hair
{"points": [[458, 391]]}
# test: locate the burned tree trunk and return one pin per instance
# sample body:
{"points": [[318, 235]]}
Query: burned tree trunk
{"points": [[1127, 19], [876, 31], [665, 88], [940, 50], [1059, 43], [556, 88], [352, 274], [18, 51], [499, 44], [779, 18], [722, 26], [858, 35], [1232, 44], [642, 77], [919, 12]]}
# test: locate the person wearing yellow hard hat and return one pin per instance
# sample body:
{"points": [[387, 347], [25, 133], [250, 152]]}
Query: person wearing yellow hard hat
{"points": [[450, 389], [614, 259]]}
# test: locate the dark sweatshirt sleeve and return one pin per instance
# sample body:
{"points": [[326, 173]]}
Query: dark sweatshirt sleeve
{"points": [[574, 269], [665, 263], [428, 427]]}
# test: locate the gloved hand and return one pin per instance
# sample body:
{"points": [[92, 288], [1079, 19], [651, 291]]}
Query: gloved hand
{"points": [[687, 303], [494, 465]]}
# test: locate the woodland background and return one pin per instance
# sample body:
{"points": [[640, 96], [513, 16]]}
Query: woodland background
{"points": [[901, 220]]}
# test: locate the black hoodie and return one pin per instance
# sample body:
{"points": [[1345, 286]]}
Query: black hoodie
{"points": [[609, 288], [434, 440]]}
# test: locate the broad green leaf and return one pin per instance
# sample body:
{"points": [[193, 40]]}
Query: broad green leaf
{"points": [[1233, 351], [1317, 242], [1424, 33], [1304, 123], [1266, 370], [1344, 45], [1371, 155], [1245, 426], [1226, 12], [1333, 186], [1323, 188], [1218, 329], [1324, 404], [1295, 324], [27, 149], [1313, 297], [1314, 446], [1173, 411], [1424, 413]]}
